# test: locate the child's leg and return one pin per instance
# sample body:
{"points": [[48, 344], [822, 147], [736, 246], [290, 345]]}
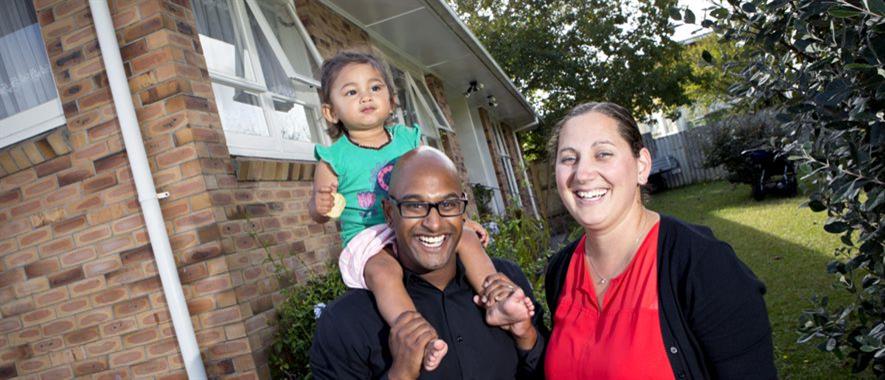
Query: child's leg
{"points": [[384, 277], [480, 272]]}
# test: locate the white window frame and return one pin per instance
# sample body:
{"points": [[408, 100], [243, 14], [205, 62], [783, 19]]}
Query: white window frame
{"points": [[509, 172], [35, 120], [273, 145]]}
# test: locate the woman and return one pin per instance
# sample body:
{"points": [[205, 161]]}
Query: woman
{"points": [[642, 295]]}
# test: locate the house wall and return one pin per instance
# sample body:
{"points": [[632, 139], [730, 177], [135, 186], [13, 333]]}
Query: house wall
{"points": [[519, 171], [79, 290]]}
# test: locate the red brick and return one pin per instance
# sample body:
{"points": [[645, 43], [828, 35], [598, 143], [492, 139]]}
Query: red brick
{"points": [[35, 237], [93, 234], [73, 176], [16, 227], [182, 102], [78, 38], [99, 183], [37, 317], [103, 347], [69, 58], [53, 166], [151, 367], [66, 277], [109, 296], [69, 225], [35, 365], [128, 223], [147, 285], [94, 99], [90, 202], [91, 366], [27, 288], [42, 268], [155, 58], [149, 113], [44, 346], [40, 187], [8, 354], [51, 297], [142, 28], [220, 317], [227, 349], [73, 306], [63, 194], [8, 325], [10, 197], [95, 268], [125, 17], [163, 91], [26, 208], [115, 245], [113, 161], [57, 246], [19, 258], [77, 257], [88, 286], [68, 7], [57, 373], [103, 130], [82, 336], [127, 357], [58, 327]]}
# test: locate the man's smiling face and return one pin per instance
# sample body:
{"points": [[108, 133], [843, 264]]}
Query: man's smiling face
{"points": [[424, 244]]}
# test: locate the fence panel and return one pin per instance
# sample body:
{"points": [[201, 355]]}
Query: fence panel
{"points": [[687, 147]]}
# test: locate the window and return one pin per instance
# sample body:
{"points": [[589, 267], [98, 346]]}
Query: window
{"points": [[417, 106], [261, 61], [29, 103], [506, 163]]}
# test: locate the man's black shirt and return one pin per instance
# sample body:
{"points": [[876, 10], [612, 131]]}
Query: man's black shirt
{"points": [[351, 341]]}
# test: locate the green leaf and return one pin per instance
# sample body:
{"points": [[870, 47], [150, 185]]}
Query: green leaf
{"points": [[675, 14], [876, 6], [719, 13], [707, 56], [748, 7], [835, 226], [843, 12], [859, 66], [707, 23], [689, 16]]}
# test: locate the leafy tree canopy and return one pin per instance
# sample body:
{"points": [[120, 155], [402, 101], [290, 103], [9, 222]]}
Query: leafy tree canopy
{"points": [[561, 53]]}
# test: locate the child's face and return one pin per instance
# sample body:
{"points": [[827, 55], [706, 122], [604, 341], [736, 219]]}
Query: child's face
{"points": [[359, 98]]}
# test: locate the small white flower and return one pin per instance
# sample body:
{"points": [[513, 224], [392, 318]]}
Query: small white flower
{"points": [[318, 310]]}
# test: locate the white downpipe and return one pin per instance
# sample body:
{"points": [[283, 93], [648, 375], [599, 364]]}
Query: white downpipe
{"points": [[147, 191]]}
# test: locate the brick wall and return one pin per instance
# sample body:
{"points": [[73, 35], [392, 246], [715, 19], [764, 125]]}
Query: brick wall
{"points": [[500, 175]]}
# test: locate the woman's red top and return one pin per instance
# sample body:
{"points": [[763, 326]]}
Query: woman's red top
{"points": [[621, 340]]}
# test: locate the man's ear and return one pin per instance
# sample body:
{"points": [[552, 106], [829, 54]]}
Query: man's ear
{"points": [[329, 114], [643, 166], [388, 209]]}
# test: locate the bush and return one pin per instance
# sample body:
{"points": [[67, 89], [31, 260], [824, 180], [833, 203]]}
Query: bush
{"points": [[483, 195], [821, 64], [296, 322], [733, 135]]}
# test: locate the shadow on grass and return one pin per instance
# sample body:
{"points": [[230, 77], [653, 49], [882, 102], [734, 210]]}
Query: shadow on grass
{"points": [[786, 248]]}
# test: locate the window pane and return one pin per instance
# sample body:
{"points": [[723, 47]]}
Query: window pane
{"points": [[25, 75], [410, 114], [240, 111], [431, 102], [289, 36], [221, 40], [293, 119]]}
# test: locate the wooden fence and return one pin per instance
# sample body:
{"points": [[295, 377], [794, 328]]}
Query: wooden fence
{"points": [[687, 147]]}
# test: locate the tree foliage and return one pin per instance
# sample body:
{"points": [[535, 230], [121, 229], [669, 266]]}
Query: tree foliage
{"points": [[561, 53], [716, 66], [821, 65]]}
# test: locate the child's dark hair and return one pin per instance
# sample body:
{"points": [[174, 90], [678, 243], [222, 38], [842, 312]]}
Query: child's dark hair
{"points": [[329, 72]]}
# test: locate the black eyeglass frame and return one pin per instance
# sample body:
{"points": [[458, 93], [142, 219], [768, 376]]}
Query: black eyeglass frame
{"points": [[430, 206]]}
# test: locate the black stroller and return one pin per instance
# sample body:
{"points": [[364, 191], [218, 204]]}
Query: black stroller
{"points": [[774, 173]]}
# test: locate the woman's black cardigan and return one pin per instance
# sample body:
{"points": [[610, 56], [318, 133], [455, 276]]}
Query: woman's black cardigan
{"points": [[713, 317]]}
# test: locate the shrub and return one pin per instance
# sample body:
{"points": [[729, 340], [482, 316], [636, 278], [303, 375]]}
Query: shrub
{"points": [[483, 195], [733, 135], [821, 64]]}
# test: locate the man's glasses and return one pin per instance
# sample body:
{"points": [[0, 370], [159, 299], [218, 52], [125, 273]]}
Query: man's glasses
{"points": [[445, 208]]}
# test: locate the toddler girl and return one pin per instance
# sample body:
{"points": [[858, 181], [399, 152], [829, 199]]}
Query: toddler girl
{"points": [[358, 100]]}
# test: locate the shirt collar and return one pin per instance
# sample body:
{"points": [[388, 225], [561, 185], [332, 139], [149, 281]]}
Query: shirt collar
{"points": [[460, 280]]}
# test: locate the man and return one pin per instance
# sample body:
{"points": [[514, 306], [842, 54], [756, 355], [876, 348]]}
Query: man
{"points": [[425, 210]]}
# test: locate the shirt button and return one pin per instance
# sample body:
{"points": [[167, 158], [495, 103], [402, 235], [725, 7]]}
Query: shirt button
{"points": [[673, 350], [460, 339]]}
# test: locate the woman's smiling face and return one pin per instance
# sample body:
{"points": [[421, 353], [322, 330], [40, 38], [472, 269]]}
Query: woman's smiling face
{"points": [[597, 174]]}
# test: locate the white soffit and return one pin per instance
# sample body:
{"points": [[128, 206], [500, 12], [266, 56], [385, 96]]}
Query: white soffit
{"points": [[430, 35]]}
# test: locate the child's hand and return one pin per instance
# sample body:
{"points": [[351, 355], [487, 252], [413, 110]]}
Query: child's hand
{"points": [[324, 200], [480, 231]]}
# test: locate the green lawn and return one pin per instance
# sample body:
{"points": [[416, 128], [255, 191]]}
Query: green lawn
{"points": [[786, 247]]}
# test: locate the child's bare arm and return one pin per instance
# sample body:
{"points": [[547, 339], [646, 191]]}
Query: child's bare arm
{"points": [[384, 277], [325, 182], [477, 264]]}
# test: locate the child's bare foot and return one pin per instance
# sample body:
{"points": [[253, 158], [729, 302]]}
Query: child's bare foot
{"points": [[515, 308], [434, 354]]}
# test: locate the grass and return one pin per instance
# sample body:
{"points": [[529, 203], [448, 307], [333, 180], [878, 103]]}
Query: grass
{"points": [[786, 247]]}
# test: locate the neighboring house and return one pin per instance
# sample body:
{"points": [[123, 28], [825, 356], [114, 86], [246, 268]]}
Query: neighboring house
{"points": [[224, 96]]}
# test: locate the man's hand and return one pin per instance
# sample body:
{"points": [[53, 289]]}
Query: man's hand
{"points": [[409, 336]]}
